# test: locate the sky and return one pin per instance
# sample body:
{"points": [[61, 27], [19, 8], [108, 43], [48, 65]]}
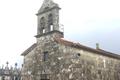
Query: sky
{"points": [[85, 21]]}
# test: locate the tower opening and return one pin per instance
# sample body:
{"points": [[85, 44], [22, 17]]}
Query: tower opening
{"points": [[42, 25], [51, 27], [43, 30], [50, 22]]}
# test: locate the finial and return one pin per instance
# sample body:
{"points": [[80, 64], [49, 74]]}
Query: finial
{"points": [[7, 63], [15, 64], [97, 46]]}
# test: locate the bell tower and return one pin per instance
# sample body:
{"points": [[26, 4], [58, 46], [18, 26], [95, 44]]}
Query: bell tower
{"points": [[48, 17]]}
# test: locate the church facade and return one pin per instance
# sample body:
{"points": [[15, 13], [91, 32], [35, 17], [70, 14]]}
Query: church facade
{"points": [[54, 58]]}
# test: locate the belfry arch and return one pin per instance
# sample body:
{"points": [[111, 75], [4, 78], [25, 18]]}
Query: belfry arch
{"points": [[50, 22], [42, 25]]}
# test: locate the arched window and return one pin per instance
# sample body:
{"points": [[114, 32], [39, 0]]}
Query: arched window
{"points": [[42, 25], [45, 56], [50, 22]]}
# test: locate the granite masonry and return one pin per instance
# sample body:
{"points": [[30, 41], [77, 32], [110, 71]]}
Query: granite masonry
{"points": [[54, 58]]}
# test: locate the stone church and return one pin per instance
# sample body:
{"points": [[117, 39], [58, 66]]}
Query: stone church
{"points": [[54, 58]]}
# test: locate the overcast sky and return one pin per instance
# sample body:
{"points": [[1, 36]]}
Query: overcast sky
{"points": [[85, 21]]}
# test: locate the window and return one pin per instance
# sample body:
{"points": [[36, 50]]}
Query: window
{"points": [[45, 56], [78, 54]]}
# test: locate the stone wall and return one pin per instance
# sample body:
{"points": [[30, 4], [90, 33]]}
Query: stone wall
{"points": [[68, 63], [33, 61], [78, 64]]}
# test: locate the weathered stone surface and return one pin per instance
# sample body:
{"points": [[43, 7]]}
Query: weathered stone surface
{"points": [[64, 63], [54, 58]]}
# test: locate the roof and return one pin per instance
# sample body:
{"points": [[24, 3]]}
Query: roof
{"points": [[76, 45], [79, 46], [29, 49]]}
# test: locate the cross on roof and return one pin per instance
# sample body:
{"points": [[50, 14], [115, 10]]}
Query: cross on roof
{"points": [[7, 63]]}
